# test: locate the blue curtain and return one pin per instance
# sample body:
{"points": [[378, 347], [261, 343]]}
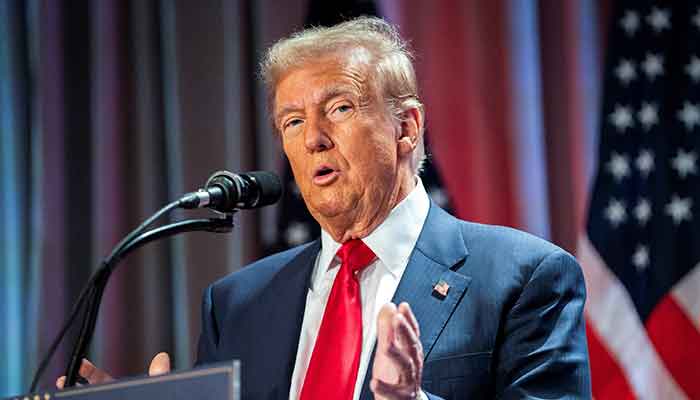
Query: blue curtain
{"points": [[109, 109]]}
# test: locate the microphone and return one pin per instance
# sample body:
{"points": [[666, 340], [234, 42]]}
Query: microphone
{"points": [[227, 192], [224, 192]]}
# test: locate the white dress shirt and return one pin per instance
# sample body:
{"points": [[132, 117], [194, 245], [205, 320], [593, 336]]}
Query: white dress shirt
{"points": [[393, 242]]}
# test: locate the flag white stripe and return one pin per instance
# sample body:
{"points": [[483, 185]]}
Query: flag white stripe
{"points": [[611, 312], [687, 295]]}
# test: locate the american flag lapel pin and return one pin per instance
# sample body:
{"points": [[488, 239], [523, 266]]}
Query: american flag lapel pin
{"points": [[440, 289]]}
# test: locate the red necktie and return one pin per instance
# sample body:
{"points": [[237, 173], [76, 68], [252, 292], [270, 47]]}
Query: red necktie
{"points": [[333, 367]]}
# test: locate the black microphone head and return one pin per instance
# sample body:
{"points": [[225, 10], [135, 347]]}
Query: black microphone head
{"points": [[269, 185], [223, 191], [229, 192]]}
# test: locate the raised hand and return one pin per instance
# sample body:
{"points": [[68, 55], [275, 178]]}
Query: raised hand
{"points": [[398, 361]]}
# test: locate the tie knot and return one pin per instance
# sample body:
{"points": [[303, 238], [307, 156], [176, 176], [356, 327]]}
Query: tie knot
{"points": [[355, 254]]}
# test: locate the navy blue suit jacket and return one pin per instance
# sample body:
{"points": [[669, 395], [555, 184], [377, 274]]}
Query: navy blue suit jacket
{"points": [[511, 325]]}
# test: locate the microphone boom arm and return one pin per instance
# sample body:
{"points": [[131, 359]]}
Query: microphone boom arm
{"points": [[87, 330], [224, 192]]}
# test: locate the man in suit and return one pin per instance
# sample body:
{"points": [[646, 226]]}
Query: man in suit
{"points": [[499, 313], [484, 312]]}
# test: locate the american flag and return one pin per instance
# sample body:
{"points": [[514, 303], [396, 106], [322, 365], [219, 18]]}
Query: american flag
{"points": [[642, 250]]}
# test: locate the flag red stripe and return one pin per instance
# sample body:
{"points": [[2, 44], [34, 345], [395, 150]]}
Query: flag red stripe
{"points": [[607, 377], [678, 344]]}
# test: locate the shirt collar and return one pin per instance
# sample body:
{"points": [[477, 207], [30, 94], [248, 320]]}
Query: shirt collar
{"points": [[392, 241]]}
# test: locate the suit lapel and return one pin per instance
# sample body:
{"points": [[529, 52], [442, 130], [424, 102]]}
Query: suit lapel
{"points": [[439, 252], [287, 300]]}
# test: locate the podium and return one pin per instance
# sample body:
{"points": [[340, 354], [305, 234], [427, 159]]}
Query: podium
{"points": [[220, 381]]}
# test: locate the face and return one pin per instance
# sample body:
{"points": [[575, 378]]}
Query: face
{"points": [[342, 144]]}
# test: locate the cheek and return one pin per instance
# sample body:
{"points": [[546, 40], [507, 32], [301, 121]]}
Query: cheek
{"points": [[299, 170], [376, 157], [294, 156]]}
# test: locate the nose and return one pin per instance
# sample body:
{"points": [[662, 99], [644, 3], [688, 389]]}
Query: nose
{"points": [[316, 136]]}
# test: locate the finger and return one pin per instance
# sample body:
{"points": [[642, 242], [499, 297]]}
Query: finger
{"points": [[409, 341], [410, 345], [391, 391], [405, 336], [406, 368], [385, 331], [61, 382], [159, 365], [405, 310], [93, 374]]}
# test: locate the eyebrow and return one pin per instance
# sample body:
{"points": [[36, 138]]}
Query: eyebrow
{"points": [[335, 92], [324, 96]]}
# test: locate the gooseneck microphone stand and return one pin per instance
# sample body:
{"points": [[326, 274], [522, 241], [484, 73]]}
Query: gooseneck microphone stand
{"points": [[91, 296]]}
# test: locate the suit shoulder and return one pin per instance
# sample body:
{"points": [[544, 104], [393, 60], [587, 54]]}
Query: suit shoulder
{"points": [[506, 237], [510, 246], [262, 270]]}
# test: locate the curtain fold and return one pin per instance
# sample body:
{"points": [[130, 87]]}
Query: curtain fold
{"points": [[14, 223], [109, 110]]}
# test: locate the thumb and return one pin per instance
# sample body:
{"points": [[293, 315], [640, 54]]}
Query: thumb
{"points": [[159, 365], [383, 368], [385, 329]]}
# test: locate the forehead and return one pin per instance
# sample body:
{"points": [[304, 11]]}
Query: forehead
{"points": [[320, 78]]}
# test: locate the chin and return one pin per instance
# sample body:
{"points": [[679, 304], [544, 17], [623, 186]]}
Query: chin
{"points": [[332, 207], [328, 210]]}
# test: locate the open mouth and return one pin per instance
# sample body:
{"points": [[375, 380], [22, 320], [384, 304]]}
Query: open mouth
{"points": [[325, 175], [324, 171]]}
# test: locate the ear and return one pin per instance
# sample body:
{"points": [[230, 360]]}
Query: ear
{"points": [[409, 131]]}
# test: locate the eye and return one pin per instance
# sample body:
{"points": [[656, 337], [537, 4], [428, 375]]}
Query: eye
{"points": [[294, 122], [343, 108], [341, 111]]}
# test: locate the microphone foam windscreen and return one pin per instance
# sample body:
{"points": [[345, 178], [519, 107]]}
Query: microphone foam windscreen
{"points": [[270, 187]]}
